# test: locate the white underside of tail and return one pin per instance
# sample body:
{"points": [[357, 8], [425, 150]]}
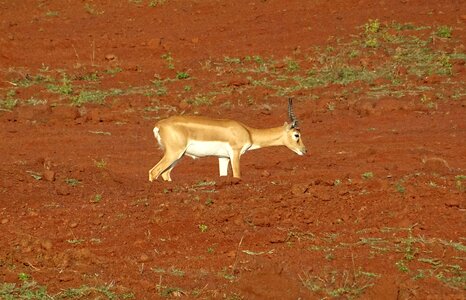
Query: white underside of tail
{"points": [[157, 136]]}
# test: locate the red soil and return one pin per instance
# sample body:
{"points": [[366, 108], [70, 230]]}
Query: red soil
{"points": [[386, 173]]}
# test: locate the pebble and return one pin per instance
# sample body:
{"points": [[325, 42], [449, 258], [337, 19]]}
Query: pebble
{"points": [[144, 258], [73, 225], [46, 245], [110, 57], [453, 202], [49, 175], [4, 221]]}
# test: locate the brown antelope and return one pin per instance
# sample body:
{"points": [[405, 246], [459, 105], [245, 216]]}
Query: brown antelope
{"points": [[227, 139]]}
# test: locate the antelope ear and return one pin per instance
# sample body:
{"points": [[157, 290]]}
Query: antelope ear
{"points": [[287, 126]]}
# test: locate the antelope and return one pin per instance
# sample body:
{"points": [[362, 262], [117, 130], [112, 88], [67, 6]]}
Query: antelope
{"points": [[197, 137]]}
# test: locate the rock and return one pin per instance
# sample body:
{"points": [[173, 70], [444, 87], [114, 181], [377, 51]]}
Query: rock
{"points": [[46, 245], [4, 221], [65, 277], [261, 220], [143, 258], [299, 189], [62, 190], [74, 224], [455, 201], [238, 81], [265, 173], [231, 254], [49, 175], [110, 57]]}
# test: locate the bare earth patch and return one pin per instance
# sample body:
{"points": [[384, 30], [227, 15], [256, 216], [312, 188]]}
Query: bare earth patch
{"points": [[376, 210]]}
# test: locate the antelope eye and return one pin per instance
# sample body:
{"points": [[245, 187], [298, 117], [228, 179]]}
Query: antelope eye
{"points": [[296, 135]]}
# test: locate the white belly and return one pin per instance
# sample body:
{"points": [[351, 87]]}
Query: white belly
{"points": [[197, 149]]}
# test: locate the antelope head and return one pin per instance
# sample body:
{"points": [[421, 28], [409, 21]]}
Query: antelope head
{"points": [[293, 136]]}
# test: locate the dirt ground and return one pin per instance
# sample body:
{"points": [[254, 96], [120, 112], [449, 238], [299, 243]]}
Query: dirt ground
{"points": [[376, 210]]}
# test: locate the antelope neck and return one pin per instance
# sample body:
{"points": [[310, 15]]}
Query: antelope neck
{"points": [[266, 137]]}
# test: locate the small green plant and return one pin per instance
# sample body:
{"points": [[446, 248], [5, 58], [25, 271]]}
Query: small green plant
{"points": [[292, 65], [97, 198], [232, 60], [72, 182], [113, 71], [443, 32], [182, 75], [459, 179], [372, 42], [155, 3], [400, 188], [200, 100], [203, 227], [339, 284], [9, 102], [204, 183], [101, 164], [92, 10], [160, 88], [93, 96], [75, 241], [209, 202], [24, 276], [402, 266], [29, 289], [33, 101], [354, 53], [169, 60], [66, 87], [51, 13], [373, 26], [187, 88], [35, 175], [165, 291], [367, 175]]}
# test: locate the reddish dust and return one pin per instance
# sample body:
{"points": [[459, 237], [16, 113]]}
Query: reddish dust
{"points": [[376, 210]]}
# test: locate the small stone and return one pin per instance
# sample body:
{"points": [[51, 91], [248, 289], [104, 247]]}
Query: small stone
{"points": [[231, 254], [265, 173], [144, 258], [299, 189], [46, 245], [73, 225], [110, 57], [238, 221], [49, 175], [65, 277], [4, 221], [454, 202], [238, 81]]}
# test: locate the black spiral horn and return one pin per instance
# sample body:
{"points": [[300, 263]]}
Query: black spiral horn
{"points": [[293, 119]]}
